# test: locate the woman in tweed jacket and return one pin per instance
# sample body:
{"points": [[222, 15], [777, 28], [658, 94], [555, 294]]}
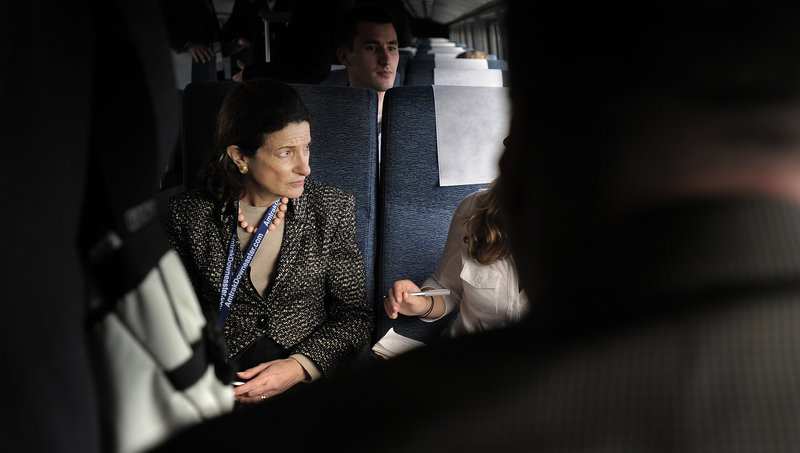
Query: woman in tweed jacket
{"points": [[299, 309]]}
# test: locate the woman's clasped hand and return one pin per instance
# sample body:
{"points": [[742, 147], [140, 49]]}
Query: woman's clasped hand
{"points": [[268, 379]]}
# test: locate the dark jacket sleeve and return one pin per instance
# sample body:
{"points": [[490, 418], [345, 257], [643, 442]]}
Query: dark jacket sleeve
{"points": [[178, 237], [187, 20], [350, 315]]}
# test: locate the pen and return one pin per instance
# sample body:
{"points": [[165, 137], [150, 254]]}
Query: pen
{"points": [[429, 293]]}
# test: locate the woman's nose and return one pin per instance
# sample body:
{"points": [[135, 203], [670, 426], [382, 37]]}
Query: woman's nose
{"points": [[301, 166]]}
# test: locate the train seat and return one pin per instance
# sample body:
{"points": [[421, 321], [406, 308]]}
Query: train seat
{"points": [[497, 64], [460, 63], [414, 207], [469, 77], [458, 77]]}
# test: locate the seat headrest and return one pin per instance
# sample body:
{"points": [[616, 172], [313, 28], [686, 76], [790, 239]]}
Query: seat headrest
{"points": [[468, 77], [471, 123], [461, 63]]}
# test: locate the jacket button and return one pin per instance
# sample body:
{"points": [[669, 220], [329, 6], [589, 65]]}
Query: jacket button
{"points": [[262, 322]]}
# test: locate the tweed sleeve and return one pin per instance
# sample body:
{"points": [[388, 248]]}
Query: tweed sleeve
{"points": [[178, 237], [350, 317]]}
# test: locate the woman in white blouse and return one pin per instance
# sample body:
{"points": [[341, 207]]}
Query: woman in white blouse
{"points": [[475, 266]]}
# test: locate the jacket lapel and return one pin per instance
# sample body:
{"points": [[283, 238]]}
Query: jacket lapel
{"points": [[294, 229]]}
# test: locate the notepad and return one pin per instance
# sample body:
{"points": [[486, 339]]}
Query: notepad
{"points": [[393, 344]]}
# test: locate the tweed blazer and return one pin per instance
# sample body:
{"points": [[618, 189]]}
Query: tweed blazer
{"points": [[316, 302]]}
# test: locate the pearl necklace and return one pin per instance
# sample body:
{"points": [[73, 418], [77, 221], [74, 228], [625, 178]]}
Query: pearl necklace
{"points": [[275, 222]]}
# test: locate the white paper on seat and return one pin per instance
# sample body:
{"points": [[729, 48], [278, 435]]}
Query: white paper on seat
{"points": [[468, 77], [461, 63], [471, 123], [438, 57], [436, 50], [442, 44], [393, 344]]}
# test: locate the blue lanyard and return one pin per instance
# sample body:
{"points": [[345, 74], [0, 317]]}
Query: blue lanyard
{"points": [[228, 290]]}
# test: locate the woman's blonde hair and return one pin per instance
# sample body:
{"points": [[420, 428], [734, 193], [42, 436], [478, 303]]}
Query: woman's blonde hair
{"points": [[485, 236]]}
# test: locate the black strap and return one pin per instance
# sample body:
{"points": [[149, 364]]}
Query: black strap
{"points": [[191, 370], [209, 350]]}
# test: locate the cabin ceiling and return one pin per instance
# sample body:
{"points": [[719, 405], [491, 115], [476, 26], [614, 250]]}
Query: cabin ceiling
{"points": [[441, 11]]}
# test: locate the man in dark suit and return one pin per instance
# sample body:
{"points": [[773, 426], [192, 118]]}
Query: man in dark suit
{"points": [[653, 203], [301, 50], [193, 28]]}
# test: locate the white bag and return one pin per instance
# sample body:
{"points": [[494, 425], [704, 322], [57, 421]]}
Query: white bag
{"points": [[155, 359]]}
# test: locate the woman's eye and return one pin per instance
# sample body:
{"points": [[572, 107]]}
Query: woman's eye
{"points": [[285, 153]]}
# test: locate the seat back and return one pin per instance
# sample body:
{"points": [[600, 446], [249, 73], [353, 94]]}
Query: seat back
{"points": [[422, 71], [337, 77], [343, 145], [414, 210], [470, 77], [420, 76], [461, 63]]}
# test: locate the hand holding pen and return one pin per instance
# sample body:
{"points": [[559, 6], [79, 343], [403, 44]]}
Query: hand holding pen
{"points": [[406, 298]]}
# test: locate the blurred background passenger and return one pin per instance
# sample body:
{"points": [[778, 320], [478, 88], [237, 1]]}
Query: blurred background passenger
{"points": [[476, 266], [272, 248], [368, 47], [195, 37], [301, 41], [476, 54], [243, 32]]}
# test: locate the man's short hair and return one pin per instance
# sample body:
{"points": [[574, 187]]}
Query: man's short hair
{"points": [[347, 30]]}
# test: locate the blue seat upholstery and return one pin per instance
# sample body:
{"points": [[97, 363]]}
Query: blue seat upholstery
{"points": [[337, 78], [498, 64], [414, 212], [343, 145], [419, 71], [420, 64]]}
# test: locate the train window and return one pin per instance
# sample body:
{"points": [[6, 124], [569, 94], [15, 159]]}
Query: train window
{"points": [[482, 30]]}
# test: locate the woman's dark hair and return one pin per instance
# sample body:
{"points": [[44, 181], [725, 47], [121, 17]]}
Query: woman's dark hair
{"points": [[250, 111]]}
